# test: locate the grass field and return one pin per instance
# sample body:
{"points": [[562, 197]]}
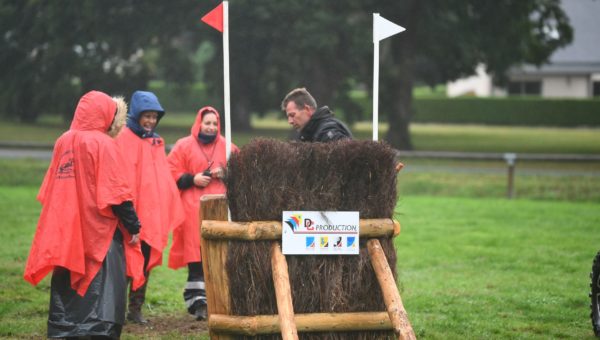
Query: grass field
{"points": [[471, 264], [468, 268], [475, 138]]}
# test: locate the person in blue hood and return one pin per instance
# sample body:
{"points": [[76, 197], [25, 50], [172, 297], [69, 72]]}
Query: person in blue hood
{"points": [[144, 114], [156, 194]]}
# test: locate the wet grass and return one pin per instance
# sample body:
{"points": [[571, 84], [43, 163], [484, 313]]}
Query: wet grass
{"points": [[474, 268]]}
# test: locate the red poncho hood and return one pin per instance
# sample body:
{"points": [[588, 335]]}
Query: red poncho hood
{"points": [[85, 178]]}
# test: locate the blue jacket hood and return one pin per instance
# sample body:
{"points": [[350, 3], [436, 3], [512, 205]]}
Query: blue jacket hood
{"points": [[143, 101]]}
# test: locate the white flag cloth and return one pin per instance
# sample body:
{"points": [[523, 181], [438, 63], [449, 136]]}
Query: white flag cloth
{"points": [[383, 28]]}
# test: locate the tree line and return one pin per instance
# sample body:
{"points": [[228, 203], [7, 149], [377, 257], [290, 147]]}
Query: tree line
{"points": [[53, 51]]}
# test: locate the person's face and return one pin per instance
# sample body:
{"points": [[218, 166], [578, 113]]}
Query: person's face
{"points": [[298, 117], [209, 124], [148, 120]]}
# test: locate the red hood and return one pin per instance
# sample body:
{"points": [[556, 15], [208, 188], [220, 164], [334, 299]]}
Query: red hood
{"points": [[198, 121], [95, 111]]}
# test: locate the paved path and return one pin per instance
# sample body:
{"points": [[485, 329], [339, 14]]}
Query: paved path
{"points": [[25, 153], [37, 152]]}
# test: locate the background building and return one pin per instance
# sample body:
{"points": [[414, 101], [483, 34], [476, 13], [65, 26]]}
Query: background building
{"points": [[573, 71]]}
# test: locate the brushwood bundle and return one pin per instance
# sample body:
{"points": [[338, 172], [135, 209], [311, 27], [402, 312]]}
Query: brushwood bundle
{"points": [[267, 177]]}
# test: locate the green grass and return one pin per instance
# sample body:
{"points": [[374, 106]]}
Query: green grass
{"points": [[468, 268], [475, 138], [497, 269], [536, 181], [488, 179]]}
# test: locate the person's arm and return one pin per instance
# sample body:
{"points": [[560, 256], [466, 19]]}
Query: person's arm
{"points": [[186, 181], [332, 133], [128, 217]]}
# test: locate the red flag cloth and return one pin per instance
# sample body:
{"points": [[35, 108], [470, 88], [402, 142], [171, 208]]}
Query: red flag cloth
{"points": [[190, 156], [157, 201], [215, 18], [85, 178]]}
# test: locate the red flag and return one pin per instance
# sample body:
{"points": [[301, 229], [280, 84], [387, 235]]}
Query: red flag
{"points": [[215, 18]]}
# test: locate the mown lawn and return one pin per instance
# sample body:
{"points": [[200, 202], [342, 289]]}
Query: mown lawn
{"points": [[474, 138], [469, 268]]}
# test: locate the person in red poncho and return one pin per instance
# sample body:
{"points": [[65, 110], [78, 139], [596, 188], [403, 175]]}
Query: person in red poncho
{"points": [[84, 196], [156, 196], [198, 164]]}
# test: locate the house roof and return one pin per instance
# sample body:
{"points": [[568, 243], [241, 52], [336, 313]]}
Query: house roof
{"points": [[582, 56]]}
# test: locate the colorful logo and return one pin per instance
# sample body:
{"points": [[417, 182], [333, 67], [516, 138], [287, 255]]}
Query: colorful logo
{"points": [[338, 242], [351, 242], [324, 242], [310, 242], [309, 224], [294, 221]]}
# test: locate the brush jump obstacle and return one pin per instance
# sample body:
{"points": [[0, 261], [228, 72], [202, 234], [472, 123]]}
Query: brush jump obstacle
{"points": [[255, 291]]}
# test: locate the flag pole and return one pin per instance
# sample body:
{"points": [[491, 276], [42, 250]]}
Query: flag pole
{"points": [[382, 28], [226, 94], [375, 79]]}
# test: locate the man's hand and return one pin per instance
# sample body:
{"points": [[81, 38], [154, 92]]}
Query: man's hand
{"points": [[135, 238]]}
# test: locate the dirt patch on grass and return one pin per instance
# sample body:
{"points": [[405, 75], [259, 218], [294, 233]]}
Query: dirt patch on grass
{"points": [[166, 326]]}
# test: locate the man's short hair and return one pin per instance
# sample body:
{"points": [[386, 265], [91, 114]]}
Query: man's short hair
{"points": [[300, 97]]}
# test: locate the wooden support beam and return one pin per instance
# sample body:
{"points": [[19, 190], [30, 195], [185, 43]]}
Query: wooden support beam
{"points": [[214, 256], [311, 322], [283, 293], [391, 296], [271, 230]]}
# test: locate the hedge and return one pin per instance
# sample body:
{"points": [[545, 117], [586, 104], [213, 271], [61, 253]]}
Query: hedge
{"points": [[508, 111]]}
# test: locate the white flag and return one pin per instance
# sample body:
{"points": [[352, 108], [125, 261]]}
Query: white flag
{"points": [[383, 28]]}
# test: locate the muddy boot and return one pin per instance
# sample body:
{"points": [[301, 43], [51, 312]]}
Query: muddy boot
{"points": [[136, 301], [201, 311]]}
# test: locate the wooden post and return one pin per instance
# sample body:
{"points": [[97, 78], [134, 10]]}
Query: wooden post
{"points": [[214, 257], [391, 296], [309, 322], [283, 293], [510, 162]]}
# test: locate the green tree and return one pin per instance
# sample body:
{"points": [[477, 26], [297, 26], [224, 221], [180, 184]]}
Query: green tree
{"points": [[447, 39], [53, 51], [327, 47]]}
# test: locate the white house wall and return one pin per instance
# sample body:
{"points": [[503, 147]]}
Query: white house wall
{"points": [[565, 86]]}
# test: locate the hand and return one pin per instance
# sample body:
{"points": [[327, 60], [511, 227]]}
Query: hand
{"points": [[135, 238], [200, 180], [218, 173]]}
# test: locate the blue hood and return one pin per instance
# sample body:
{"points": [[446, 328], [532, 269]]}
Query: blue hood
{"points": [[143, 101]]}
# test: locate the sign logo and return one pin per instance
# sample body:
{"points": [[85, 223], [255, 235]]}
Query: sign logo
{"points": [[351, 242], [66, 166], [294, 221], [320, 232]]}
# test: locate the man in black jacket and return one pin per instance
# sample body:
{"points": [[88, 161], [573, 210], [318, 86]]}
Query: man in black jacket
{"points": [[312, 124]]}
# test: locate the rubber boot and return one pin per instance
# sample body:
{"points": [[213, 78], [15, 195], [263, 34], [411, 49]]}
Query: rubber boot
{"points": [[136, 301]]}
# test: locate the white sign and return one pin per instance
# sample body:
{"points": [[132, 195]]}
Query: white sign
{"points": [[320, 232]]}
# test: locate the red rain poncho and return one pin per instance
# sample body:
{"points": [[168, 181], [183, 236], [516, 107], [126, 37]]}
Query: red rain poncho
{"points": [[189, 155], [85, 178], [157, 200]]}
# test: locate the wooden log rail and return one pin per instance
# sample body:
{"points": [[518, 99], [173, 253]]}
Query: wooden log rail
{"points": [[310, 322], [271, 230], [216, 233]]}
